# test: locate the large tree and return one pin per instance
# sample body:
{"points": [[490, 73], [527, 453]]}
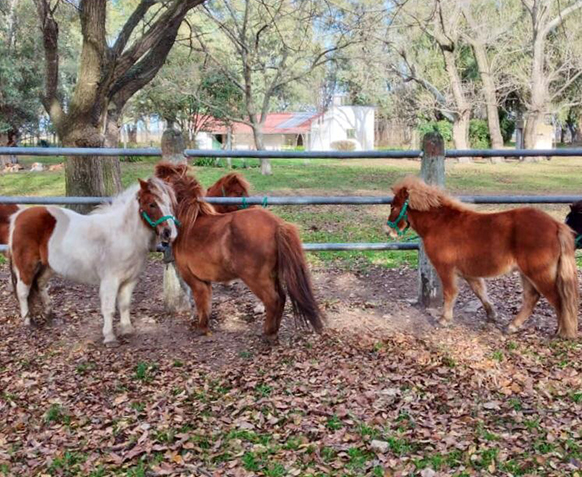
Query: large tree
{"points": [[20, 73], [109, 74], [554, 58], [266, 46]]}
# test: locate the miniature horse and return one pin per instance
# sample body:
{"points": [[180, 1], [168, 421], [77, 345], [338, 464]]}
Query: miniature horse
{"points": [[574, 221], [460, 241], [108, 248], [230, 185], [6, 210], [252, 244]]}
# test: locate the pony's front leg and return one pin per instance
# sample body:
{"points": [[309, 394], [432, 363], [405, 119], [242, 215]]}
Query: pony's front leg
{"points": [[450, 291], [108, 294], [124, 303]]}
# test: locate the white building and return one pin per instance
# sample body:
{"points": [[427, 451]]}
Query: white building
{"points": [[314, 131]]}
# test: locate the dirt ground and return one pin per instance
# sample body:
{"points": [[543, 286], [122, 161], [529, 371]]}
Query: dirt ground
{"points": [[384, 392], [378, 304]]}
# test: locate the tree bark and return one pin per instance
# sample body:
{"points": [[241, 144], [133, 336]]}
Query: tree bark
{"points": [[266, 169], [107, 78], [173, 145], [489, 91]]}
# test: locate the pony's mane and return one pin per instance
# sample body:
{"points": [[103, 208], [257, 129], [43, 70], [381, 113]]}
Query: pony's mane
{"points": [[188, 193], [423, 197], [577, 207], [158, 188], [119, 201], [228, 181]]}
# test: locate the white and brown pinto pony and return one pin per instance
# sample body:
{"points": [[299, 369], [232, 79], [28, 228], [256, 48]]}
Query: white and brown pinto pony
{"points": [[108, 247], [475, 245]]}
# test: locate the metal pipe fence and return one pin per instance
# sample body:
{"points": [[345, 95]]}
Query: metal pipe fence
{"points": [[307, 200], [304, 200], [410, 154]]}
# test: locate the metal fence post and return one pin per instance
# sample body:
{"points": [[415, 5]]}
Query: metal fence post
{"points": [[175, 296], [432, 171]]}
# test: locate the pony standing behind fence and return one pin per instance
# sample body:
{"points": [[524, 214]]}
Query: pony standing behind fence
{"points": [[252, 244], [230, 185], [460, 241], [108, 248], [574, 221], [6, 211]]}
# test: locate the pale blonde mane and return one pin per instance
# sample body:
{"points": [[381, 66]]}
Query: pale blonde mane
{"points": [[423, 197]]}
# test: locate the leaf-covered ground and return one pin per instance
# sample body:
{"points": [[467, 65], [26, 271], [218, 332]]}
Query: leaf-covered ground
{"points": [[382, 392]]}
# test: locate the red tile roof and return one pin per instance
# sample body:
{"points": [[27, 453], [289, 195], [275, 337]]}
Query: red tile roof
{"points": [[276, 123]]}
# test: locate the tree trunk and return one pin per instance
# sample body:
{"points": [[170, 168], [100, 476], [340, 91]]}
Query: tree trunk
{"points": [[173, 145], [463, 114], [489, 91], [461, 134], [89, 176], [266, 169]]}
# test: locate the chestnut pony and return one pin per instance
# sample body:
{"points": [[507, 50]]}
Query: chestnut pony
{"points": [[251, 244], [6, 211], [574, 221], [460, 241], [108, 248], [230, 185]]}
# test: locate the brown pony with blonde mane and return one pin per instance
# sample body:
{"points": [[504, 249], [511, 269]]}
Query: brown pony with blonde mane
{"points": [[252, 244], [230, 185], [461, 241]]}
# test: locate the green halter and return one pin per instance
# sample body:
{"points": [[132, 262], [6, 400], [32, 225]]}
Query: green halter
{"points": [[578, 241], [402, 215], [160, 220]]}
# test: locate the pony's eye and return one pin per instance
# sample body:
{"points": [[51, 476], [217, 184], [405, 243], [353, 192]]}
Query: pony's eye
{"points": [[153, 205]]}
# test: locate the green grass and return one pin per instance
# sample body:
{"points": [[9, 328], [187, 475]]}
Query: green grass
{"points": [[343, 177]]}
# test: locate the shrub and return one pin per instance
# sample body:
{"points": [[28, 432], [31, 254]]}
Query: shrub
{"points": [[479, 137], [445, 128], [343, 146]]}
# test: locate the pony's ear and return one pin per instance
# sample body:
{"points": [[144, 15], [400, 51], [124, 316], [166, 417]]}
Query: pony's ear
{"points": [[143, 185], [572, 207]]}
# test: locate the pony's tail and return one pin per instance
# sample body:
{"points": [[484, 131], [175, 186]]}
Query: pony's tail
{"points": [[292, 270], [567, 284]]}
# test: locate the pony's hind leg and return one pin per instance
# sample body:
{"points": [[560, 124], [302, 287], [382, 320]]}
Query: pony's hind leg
{"points": [[108, 294], [43, 281], [22, 292], [269, 291], [123, 303], [530, 299], [480, 289]]}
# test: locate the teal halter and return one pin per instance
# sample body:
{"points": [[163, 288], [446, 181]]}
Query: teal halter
{"points": [[160, 220], [578, 241], [402, 215]]}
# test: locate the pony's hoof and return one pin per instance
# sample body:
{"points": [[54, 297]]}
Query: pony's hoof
{"points": [[271, 340], [204, 331], [511, 329], [112, 343], [127, 330], [444, 322]]}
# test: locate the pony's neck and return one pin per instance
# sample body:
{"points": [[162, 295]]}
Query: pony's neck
{"points": [[433, 220]]}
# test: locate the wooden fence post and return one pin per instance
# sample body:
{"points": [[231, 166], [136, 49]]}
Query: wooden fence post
{"points": [[432, 171], [176, 293]]}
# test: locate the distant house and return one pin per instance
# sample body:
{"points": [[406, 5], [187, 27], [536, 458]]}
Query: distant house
{"points": [[313, 131]]}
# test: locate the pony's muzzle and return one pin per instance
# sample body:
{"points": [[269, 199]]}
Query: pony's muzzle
{"points": [[392, 233], [166, 235]]}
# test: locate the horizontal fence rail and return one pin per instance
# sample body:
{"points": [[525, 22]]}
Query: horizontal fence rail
{"points": [[338, 247], [308, 200], [304, 200], [411, 154]]}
